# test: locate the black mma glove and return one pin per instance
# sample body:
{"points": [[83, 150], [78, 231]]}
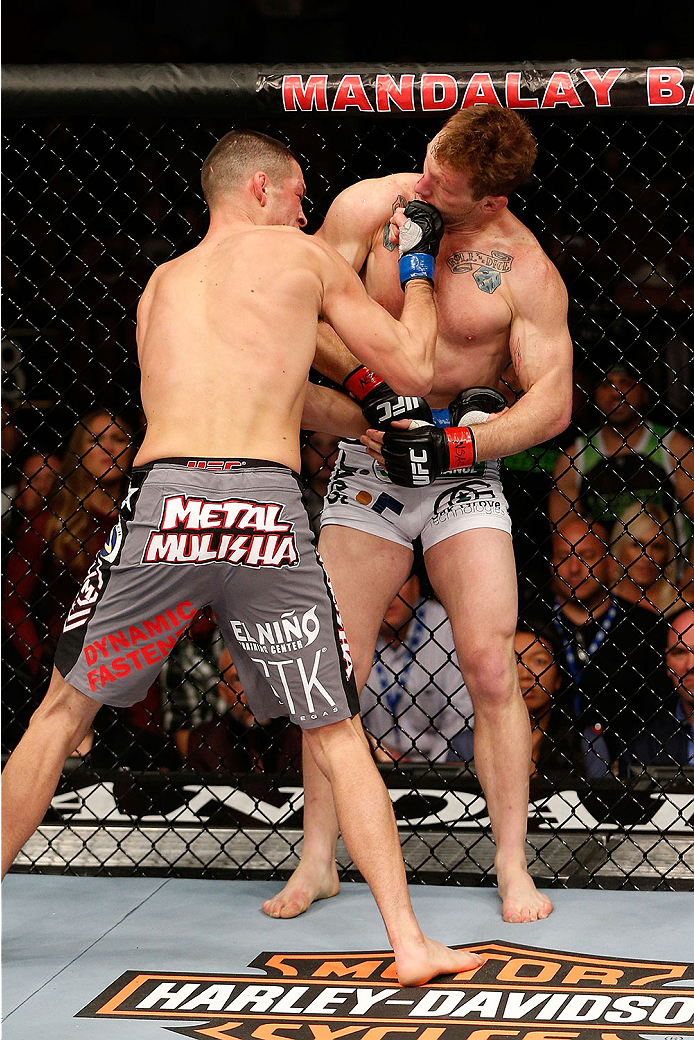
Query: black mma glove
{"points": [[416, 457], [379, 403], [475, 405], [419, 241]]}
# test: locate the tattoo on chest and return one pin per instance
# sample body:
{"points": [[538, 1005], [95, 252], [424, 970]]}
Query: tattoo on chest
{"points": [[399, 203], [487, 268]]}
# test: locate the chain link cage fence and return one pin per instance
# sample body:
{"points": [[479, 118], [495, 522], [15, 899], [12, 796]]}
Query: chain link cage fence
{"points": [[101, 184]]}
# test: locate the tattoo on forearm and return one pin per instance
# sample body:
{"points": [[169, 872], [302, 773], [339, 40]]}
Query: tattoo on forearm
{"points": [[487, 268], [399, 203]]}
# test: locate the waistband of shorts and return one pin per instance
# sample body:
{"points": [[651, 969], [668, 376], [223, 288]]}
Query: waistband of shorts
{"points": [[213, 465]]}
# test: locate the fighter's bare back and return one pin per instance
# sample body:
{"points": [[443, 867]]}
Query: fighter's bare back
{"points": [[481, 277], [223, 371]]}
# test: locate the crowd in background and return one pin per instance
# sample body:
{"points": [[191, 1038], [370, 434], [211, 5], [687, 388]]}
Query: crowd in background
{"points": [[601, 518], [605, 638]]}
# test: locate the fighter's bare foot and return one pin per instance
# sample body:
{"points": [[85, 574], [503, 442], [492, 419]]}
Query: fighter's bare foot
{"points": [[425, 960], [520, 900], [305, 886]]}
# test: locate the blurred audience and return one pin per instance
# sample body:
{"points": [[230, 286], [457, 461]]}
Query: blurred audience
{"points": [[52, 553], [626, 458], [12, 441], [612, 649], [234, 741], [670, 741], [554, 740], [190, 681], [680, 664], [415, 702], [644, 558]]}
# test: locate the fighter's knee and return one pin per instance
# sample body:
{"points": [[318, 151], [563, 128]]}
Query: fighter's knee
{"points": [[328, 741], [491, 678]]}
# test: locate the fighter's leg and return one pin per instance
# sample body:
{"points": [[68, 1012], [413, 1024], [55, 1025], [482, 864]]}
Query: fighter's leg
{"points": [[31, 774], [473, 573], [365, 572], [368, 826]]}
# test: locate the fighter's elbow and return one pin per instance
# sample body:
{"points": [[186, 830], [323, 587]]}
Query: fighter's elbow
{"points": [[563, 418], [416, 381]]}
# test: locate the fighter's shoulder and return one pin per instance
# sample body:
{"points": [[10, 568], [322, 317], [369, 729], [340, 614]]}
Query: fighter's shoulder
{"points": [[374, 198], [531, 269]]}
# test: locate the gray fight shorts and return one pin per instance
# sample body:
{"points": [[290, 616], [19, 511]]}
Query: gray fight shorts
{"points": [[232, 534]]}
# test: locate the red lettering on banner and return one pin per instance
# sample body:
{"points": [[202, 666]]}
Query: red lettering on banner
{"points": [[120, 667], [105, 675], [513, 97], [351, 94], [438, 92], [601, 85], [561, 91], [90, 655], [480, 91], [136, 635], [387, 91], [305, 98], [665, 85]]}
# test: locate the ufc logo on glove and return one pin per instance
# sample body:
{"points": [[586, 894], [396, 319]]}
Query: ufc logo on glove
{"points": [[420, 469]]}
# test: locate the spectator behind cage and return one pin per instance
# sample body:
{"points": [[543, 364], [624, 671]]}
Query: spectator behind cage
{"points": [[234, 741], [554, 743], [626, 458], [672, 741], [415, 701], [53, 553], [190, 681], [12, 442], [644, 558], [38, 473], [612, 649]]}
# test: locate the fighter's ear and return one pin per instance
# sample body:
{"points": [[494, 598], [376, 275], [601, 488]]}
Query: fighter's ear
{"points": [[259, 184], [495, 203]]}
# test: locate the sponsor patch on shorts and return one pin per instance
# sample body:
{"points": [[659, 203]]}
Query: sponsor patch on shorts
{"points": [[237, 531]]}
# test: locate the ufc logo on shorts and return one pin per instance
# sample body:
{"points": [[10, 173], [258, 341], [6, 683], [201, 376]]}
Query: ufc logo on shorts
{"points": [[400, 406], [419, 467], [216, 465]]}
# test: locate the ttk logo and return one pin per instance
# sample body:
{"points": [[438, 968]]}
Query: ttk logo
{"points": [[519, 992], [193, 530]]}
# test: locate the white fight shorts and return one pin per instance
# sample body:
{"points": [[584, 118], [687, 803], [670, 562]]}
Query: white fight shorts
{"points": [[360, 495]]}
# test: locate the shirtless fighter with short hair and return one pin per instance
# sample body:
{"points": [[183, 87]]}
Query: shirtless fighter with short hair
{"points": [[226, 337], [499, 300]]}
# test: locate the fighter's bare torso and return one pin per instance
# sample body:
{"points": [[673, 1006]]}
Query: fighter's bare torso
{"points": [[478, 283], [210, 354]]}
